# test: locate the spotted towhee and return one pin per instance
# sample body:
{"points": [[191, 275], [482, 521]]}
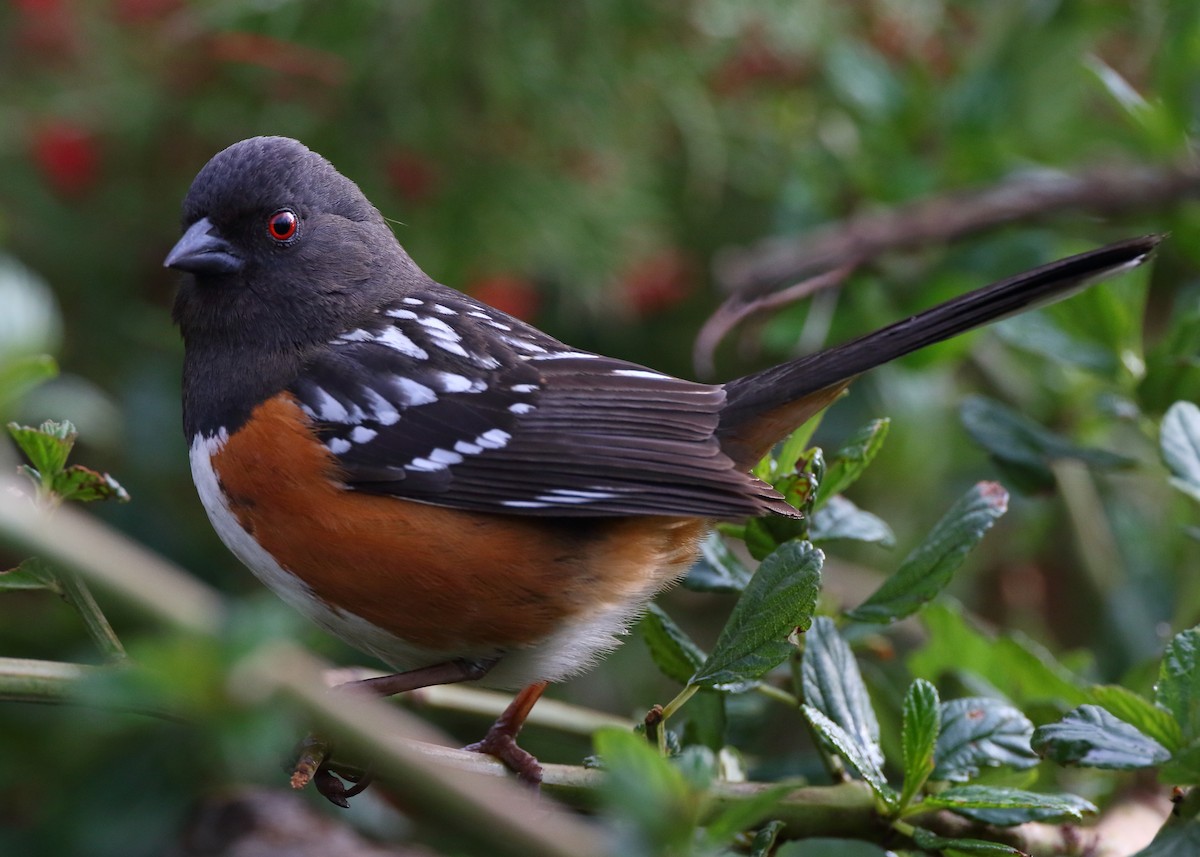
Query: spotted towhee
{"points": [[443, 485]]}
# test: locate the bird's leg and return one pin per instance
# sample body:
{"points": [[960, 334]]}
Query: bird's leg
{"points": [[312, 761], [501, 740]]}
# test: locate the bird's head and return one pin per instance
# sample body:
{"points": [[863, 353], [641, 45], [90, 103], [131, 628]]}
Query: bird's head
{"points": [[280, 246]]}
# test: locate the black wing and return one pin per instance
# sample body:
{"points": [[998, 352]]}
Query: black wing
{"points": [[446, 401]]}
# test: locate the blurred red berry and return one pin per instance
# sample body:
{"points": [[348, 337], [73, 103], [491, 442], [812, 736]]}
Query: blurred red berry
{"points": [[46, 29], [658, 282], [507, 293], [67, 157], [412, 175]]}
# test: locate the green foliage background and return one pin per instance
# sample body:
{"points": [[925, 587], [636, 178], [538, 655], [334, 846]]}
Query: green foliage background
{"points": [[586, 164]]}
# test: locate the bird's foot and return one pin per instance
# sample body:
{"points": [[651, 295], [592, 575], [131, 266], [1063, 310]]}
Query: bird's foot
{"points": [[312, 765], [502, 744]]}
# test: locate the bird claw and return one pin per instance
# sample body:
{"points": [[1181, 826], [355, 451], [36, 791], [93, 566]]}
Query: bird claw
{"points": [[312, 766], [503, 746]]}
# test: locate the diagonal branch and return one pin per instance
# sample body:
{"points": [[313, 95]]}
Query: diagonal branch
{"points": [[825, 257]]}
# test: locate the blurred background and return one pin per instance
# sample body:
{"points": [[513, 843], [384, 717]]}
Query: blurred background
{"points": [[605, 170]]}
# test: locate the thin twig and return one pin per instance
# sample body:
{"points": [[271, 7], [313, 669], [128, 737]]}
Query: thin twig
{"points": [[750, 274]]}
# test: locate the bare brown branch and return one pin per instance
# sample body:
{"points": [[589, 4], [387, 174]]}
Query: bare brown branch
{"points": [[802, 265]]}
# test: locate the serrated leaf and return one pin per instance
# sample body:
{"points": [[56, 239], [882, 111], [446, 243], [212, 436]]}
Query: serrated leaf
{"points": [[718, 569], [1138, 712], [780, 598], [670, 648], [1019, 442], [919, 734], [854, 754], [47, 446], [930, 841], [1174, 840], [33, 573], [1178, 688], [83, 485], [1094, 738], [927, 570], [978, 733], [1058, 806], [841, 519], [1179, 441], [849, 462], [831, 683]]}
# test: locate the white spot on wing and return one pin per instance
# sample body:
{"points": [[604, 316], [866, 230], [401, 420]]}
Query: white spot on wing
{"points": [[412, 301], [358, 335], [640, 373], [444, 310], [362, 434], [385, 412], [493, 439], [406, 314], [439, 328], [524, 504], [331, 410], [521, 408], [524, 388], [452, 382], [413, 393], [467, 448], [565, 355], [393, 338], [445, 456], [338, 445], [524, 345]]}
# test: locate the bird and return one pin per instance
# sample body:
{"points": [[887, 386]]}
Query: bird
{"points": [[444, 486]]}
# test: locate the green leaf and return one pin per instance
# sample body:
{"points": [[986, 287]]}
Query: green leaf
{"points": [[671, 649], [780, 598], [854, 753], [22, 374], [47, 446], [718, 570], [763, 844], [84, 485], [927, 570], [1036, 333], [1179, 441], [33, 573], [824, 847], [978, 733], [1021, 669], [832, 684], [646, 792], [1020, 443], [1139, 712], [1060, 806], [1178, 688], [849, 462], [1175, 840], [919, 734], [1094, 738], [841, 519], [929, 841]]}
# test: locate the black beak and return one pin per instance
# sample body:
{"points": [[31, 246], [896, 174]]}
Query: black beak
{"points": [[202, 250]]}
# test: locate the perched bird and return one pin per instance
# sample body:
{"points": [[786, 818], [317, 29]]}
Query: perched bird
{"points": [[442, 485]]}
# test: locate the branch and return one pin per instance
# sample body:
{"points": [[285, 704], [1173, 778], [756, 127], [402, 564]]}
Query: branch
{"points": [[752, 274]]}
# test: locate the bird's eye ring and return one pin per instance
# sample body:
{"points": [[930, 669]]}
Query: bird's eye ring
{"points": [[282, 225]]}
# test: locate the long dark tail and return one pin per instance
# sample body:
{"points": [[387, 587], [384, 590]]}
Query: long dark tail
{"points": [[761, 407]]}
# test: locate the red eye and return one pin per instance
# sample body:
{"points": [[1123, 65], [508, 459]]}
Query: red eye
{"points": [[282, 224]]}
